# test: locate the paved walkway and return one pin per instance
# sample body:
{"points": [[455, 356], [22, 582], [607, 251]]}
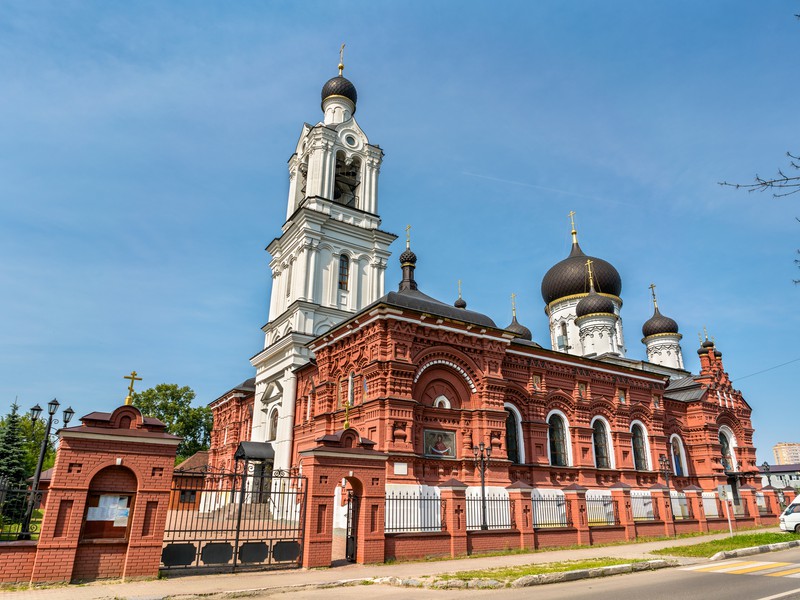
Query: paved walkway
{"points": [[250, 581]]}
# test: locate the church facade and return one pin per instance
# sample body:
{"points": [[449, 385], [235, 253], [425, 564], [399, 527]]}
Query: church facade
{"points": [[409, 396]]}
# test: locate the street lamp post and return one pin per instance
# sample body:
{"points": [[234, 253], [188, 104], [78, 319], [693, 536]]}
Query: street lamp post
{"points": [[482, 454], [665, 468], [766, 469], [52, 407]]}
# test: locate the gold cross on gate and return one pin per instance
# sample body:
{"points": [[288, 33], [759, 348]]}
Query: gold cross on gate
{"points": [[459, 288], [133, 378]]}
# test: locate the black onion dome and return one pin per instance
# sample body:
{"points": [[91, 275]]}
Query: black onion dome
{"points": [[657, 324], [340, 86], [568, 277], [460, 303], [408, 257], [519, 330], [594, 303]]}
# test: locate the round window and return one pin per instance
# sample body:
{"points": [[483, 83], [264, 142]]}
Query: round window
{"points": [[350, 140]]}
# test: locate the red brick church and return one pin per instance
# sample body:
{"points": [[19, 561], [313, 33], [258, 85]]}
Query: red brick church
{"points": [[401, 396]]}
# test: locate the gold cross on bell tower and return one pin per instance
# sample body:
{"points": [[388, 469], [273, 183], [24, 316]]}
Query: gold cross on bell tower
{"points": [[653, 292], [133, 378]]}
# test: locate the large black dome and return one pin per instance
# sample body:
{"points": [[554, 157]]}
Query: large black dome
{"points": [[568, 277], [657, 324], [340, 86]]}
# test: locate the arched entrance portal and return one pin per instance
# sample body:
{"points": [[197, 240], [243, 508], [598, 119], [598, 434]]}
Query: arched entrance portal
{"points": [[347, 495]]}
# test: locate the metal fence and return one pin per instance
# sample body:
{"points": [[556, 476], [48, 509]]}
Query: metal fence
{"points": [[602, 510], [643, 508], [763, 503], [226, 520], [499, 510], [551, 512], [681, 509], [711, 506], [20, 512], [413, 512]]}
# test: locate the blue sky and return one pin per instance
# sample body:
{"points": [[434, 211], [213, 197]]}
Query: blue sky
{"points": [[143, 150]]}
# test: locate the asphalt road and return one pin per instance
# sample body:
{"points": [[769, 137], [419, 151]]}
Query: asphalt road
{"points": [[768, 576]]}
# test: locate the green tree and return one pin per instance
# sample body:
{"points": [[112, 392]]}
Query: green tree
{"points": [[32, 433], [173, 405], [12, 466]]}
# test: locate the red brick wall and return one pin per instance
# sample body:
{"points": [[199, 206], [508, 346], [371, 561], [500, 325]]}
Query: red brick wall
{"points": [[556, 538], [649, 529], [99, 561], [417, 545], [16, 561], [487, 541], [605, 535]]}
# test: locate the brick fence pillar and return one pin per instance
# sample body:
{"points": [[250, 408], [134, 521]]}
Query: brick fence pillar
{"points": [[454, 495], [519, 493], [772, 501], [121, 453], [576, 497], [621, 494], [694, 498], [662, 499], [789, 494]]}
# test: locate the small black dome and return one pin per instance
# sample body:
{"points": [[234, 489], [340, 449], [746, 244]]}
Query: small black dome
{"points": [[707, 344], [658, 323], [460, 303], [594, 303], [340, 86], [568, 277], [519, 330], [408, 257]]}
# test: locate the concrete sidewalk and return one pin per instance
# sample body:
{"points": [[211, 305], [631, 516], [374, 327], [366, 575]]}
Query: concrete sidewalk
{"points": [[262, 580]]}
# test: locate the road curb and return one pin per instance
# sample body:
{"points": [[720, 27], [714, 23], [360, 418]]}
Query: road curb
{"points": [[528, 580], [755, 550]]}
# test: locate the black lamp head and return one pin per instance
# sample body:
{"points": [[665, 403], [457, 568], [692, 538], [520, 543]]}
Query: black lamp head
{"points": [[52, 407], [68, 414], [35, 412]]}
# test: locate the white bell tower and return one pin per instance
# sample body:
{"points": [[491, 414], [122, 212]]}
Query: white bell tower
{"points": [[329, 261]]}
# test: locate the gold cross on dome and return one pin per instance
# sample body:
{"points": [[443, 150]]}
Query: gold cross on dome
{"points": [[571, 216], [653, 291], [408, 237], [341, 60], [133, 378], [513, 304], [459, 288]]}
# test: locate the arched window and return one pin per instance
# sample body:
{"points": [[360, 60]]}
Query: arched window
{"points": [[512, 443], [441, 402], [727, 443], [678, 456], [557, 434], [273, 426], [364, 386], [639, 443], [600, 442], [351, 391], [344, 271]]}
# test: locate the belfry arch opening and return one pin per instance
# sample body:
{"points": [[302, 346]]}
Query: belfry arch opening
{"points": [[348, 178]]}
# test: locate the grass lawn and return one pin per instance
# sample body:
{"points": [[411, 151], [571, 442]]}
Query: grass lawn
{"points": [[745, 540], [512, 573]]}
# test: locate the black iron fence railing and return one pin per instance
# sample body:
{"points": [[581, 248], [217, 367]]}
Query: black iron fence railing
{"points": [[498, 512], [681, 509], [551, 512], [413, 512], [602, 510], [16, 503], [643, 508]]}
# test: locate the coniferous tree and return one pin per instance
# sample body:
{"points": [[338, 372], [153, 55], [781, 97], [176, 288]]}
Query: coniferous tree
{"points": [[12, 455]]}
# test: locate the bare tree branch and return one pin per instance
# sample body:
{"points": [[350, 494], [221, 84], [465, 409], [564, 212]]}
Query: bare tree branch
{"points": [[786, 184]]}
